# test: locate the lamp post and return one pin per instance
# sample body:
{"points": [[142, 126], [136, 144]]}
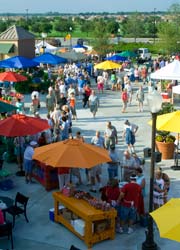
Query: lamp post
{"points": [[119, 35], [43, 35], [154, 28], [154, 100], [70, 30]]}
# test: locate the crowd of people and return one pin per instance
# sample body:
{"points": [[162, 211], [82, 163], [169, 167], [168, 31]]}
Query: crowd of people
{"points": [[74, 85]]}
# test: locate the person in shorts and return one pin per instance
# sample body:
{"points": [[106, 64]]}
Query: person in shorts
{"points": [[113, 165], [95, 173], [128, 204], [28, 161]]}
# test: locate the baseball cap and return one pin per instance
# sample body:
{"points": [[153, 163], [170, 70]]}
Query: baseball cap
{"points": [[33, 143]]}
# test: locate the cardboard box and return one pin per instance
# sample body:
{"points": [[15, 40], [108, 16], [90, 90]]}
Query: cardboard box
{"points": [[101, 226], [67, 214], [79, 226]]}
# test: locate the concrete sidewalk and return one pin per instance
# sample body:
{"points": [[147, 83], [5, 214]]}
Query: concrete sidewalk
{"points": [[40, 232]]}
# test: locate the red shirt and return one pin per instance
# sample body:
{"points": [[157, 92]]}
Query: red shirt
{"points": [[112, 193], [132, 193], [88, 91]]}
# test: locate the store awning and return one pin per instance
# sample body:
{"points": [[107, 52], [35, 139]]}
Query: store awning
{"points": [[6, 48]]}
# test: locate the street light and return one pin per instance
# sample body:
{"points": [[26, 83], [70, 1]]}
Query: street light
{"points": [[154, 100], [119, 35], [70, 29], [43, 35]]}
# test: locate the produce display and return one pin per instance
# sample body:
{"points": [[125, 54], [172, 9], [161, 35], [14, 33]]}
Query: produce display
{"points": [[11, 97], [95, 202]]}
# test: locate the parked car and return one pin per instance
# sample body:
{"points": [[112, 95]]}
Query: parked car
{"points": [[144, 54]]}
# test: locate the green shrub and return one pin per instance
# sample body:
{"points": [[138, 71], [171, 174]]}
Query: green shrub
{"points": [[164, 136], [22, 87]]}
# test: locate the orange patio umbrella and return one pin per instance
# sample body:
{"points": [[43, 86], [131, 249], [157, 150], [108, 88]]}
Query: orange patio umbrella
{"points": [[71, 153], [91, 52]]}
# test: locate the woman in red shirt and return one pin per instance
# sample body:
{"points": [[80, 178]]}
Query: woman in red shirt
{"points": [[86, 95]]}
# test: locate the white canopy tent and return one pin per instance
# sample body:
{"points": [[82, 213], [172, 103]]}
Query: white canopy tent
{"points": [[176, 89], [48, 47], [170, 72]]}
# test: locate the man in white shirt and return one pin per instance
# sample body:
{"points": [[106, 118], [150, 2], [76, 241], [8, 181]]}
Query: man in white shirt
{"points": [[28, 160]]}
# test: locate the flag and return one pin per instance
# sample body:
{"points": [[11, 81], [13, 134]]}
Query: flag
{"points": [[67, 37]]}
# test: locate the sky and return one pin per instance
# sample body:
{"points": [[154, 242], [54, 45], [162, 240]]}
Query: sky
{"points": [[77, 6]]}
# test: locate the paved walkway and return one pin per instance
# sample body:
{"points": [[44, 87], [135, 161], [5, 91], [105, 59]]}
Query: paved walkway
{"points": [[40, 232]]}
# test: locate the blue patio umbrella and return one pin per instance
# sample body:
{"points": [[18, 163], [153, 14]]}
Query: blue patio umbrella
{"points": [[18, 62], [117, 58], [49, 59]]}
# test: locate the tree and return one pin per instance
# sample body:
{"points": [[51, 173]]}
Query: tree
{"points": [[46, 27], [112, 27], [87, 27], [169, 31], [169, 38], [3, 26], [63, 25], [133, 27], [23, 23], [35, 27], [101, 37]]}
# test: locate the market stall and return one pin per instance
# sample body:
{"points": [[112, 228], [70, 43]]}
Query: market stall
{"points": [[46, 175], [91, 223]]}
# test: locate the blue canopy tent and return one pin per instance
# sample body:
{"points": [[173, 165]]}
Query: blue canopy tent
{"points": [[49, 58], [78, 46], [117, 58], [18, 62]]}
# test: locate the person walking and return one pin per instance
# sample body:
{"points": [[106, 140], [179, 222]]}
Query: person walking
{"points": [[129, 134], [96, 171], [124, 98], [113, 164], [72, 106], [129, 88], [50, 100], [100, 83], [93, 103], [140, 98], [86, 94], [110, 135]]}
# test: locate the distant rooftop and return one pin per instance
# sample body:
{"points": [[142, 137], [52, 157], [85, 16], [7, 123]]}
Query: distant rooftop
{"points": [[16, 33]]}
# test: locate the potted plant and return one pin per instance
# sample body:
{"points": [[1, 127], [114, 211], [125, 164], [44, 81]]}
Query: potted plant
{"points": [[164, 140], [165, 144]]}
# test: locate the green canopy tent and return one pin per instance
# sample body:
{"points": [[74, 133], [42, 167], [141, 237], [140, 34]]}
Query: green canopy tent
{"points": [[6, 107]]}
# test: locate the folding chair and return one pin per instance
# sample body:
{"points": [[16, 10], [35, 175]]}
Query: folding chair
{"points": [[19, 207]]}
